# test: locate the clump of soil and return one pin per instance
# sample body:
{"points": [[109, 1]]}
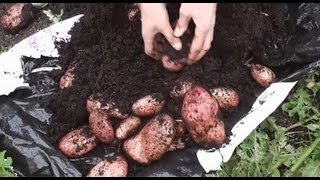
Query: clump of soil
{"points": [[109, 52]]}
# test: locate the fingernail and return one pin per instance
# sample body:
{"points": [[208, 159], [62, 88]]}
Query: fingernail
{"points": [[177, 46]]}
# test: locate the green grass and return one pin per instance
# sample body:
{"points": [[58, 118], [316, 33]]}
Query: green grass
{"points": [[5, 165], [283, 151]]}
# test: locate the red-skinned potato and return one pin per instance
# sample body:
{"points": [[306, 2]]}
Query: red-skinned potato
{"points": [[171, 65], [101, 126], [67, 79], [262, 75], [152, 142], [227, 98], [78, 142], [116, 168], [199, 111], [148, 105], [112, 109], [128, 127], [181, 87], [16, 17], [180, 130], [95, 102]]}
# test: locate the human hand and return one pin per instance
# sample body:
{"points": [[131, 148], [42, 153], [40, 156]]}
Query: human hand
{"points": [[204, 17], [155, 19]]}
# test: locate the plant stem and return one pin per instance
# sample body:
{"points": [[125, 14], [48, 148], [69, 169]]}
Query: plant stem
{"points": [[305, 155], [300, 123]]}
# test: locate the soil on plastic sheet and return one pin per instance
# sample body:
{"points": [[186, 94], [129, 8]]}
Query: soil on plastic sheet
{"points": [[108, 51]]}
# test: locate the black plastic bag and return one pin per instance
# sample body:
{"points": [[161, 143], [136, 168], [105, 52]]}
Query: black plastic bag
{"points": [[25, 120]]}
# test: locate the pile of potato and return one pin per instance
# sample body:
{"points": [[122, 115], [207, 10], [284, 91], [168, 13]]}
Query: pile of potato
{"points": [[161, 134]]}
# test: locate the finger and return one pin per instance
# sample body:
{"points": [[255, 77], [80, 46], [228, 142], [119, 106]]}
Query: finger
{"points": [[206, 46], [182, 25], [197, 43], [148, 38], [174, 41]]}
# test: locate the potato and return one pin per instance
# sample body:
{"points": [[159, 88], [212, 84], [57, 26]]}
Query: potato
{"points": [[78, 142], [128, 127], [199, 111], [180, 130], [101, 126], [171, 65], [262, 75], [148, 105], [96, 103], [116, 168], [180, 88], [152, 142], [227, 98], [16, 17], [112, 109], [93, 103], [67, 79]]}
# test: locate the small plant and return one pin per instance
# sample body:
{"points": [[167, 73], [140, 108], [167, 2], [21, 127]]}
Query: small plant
{"points": [[273, 150], [54, 18], [5, 165]]}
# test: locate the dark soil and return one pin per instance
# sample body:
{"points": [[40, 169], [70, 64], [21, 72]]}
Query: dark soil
{"points": [[108, 50]]}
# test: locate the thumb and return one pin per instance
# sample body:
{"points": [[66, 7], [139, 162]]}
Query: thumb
{"points": [[182, 25]]}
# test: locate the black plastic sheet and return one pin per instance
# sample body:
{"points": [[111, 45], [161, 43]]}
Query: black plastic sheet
{"points": [[25, 120]]}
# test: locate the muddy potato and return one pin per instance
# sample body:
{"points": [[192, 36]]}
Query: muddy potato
{"points": [[96, 103], [112, 109], [179, 90], [198, 111], [262, 75], [78, 142], [116, 168], [128, 127], [148, 105], [101, 126], [227, 98], [152, 142], [67, 79], [16, 17], [180, 130], [170, 65], [93, 103]]}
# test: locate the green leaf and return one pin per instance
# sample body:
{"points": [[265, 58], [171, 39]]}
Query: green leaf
{"points": [[276, 173], [5, 165], [312, 169]]}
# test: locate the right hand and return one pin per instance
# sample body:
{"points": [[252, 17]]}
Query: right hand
{"points": [[155, 19]]}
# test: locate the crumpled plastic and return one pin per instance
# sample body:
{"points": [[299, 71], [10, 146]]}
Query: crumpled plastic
{"points": [[25, 120]]}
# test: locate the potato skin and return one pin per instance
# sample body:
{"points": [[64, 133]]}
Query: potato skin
{"points": [[116, 168], [170, 65], [67, 79], [94, 103], [16, 17], [227, 98], [101, 126], [180, 130], [78, 142], [179, 90], [262, 75], [152, 142], [148, 105], [199, 111], [128, 127]]}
